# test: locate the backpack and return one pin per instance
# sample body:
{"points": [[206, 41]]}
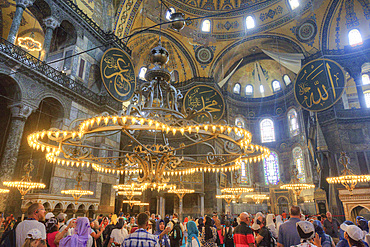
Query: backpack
{"points": [[229, 237], [176, 232], [8, 239]]}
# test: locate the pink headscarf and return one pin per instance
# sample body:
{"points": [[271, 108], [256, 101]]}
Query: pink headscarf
{"points": [[80, 236]]}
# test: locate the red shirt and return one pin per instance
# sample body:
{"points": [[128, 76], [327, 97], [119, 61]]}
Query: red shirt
{"points": [[50, 237], [243, 235]]}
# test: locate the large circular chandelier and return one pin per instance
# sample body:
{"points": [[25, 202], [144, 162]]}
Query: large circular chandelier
{"points": [[4, 191], [25, 185], [258, 198], [78, 192], [295, 185], [348, 179], [161, 140], [227, 197]]}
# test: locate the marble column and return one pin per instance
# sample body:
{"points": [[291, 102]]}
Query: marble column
{"points": [[51, 23], [162, 207], [21, 5], [20, 112], [202, 204]]}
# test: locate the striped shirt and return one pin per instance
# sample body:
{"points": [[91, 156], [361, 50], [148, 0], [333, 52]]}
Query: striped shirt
{"points": [[141, 238], [243, 235]]}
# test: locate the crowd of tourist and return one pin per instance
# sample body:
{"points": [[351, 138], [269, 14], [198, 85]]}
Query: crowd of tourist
{"points": [[149, 230]]}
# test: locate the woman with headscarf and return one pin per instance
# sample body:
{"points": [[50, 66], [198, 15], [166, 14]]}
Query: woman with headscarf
{"points": [[255, 227], [160, 226], [270, 224], [228, 233], [52, 229], [363, 224], [108, 230], [279, 222], [96, 233], [81, 236], [118, 234], [104, 222], [220, 231], [193, 234], [200, 224], [209, 234], [326, 240], [186, 220], [235, 222]]}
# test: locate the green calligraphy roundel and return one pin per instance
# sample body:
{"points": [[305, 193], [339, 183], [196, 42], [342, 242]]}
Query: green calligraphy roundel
{"points": [[205, 98], [319, 85], [118, 74]]}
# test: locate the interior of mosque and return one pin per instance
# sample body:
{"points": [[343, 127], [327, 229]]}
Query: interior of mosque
{"points": [[249, 51]]}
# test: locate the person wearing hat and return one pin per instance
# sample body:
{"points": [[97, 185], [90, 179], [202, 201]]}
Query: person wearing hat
{"points": [[34, 239], [306, 232], [353, 234], [48, 216]]}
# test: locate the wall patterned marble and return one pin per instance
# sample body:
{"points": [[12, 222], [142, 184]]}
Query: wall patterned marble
{"points": [[271, 13]]}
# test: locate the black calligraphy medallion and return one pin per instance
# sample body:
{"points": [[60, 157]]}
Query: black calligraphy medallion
{"points": [[319, 84], [118, 74], [205, 98]]}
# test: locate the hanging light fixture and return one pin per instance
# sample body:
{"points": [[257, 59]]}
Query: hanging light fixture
{"points": [[4, 191], [131, 202], [347, 178], [141, 204], [258, 198], [77, 193], [236, 189], [25, 185], [227, 197], [296, 186]]}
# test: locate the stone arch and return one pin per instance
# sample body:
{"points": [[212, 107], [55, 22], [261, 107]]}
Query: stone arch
{"points": [[47, 207], [70, 210], [81, 210], [91, 211], [40, 9], [58, 208], [283, 204], [356, 209]]}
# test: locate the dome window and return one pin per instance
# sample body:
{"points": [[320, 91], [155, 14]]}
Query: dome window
{"points": [[169, 12], [250, 23], [354, 37], [294, 4], [249, 90], [142, 73], [365, 79], [206, 26], [367, 99], [276, 85], [236, 88], [262, 89], [267, 130], [286, 80]]}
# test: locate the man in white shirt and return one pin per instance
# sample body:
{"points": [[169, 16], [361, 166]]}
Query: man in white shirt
{"points": [[36, 212]]}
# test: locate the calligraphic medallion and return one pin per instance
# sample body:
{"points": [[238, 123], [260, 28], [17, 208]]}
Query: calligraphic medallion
{"points": [[118, 74], [319, 85], [203, 98]]}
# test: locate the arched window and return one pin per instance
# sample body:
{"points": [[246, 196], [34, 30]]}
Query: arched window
{"points": [[245, 174], [365, 79], [249, 90], [169, 13], [249, 22], [299, 163], [236, 88], [276, 85], [142, 73], [286, 80], [206, 26], [367, 98], [294, 4], [267, 130], [262, 89], [271, 169], [293, 122], [354, 37], [239, 122], [174, 76]]}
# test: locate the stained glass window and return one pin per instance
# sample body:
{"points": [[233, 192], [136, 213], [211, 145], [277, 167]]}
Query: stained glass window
{"points": [[354, 37], [250, 23], [245, 174], [236, 88], [249, 90], [293, 122], [206, 26], [262, 89], [276, 85], [287, 80], [271, 169], [267, 130], [169, 12], [299, 163]]}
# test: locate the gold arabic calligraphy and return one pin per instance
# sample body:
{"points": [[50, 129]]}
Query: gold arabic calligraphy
{"points": [[317, 93], [205, 101], [122, 75]]}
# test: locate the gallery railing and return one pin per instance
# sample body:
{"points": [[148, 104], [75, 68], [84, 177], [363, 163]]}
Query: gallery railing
{"points": [[58, 77]]}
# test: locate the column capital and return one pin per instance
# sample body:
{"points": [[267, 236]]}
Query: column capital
{"points": [[24, 3], [20, 110], [51, 22]]}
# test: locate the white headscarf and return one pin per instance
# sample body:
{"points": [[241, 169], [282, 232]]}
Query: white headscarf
{"points": [[271, 225], [255, 226], [279, 222]]}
